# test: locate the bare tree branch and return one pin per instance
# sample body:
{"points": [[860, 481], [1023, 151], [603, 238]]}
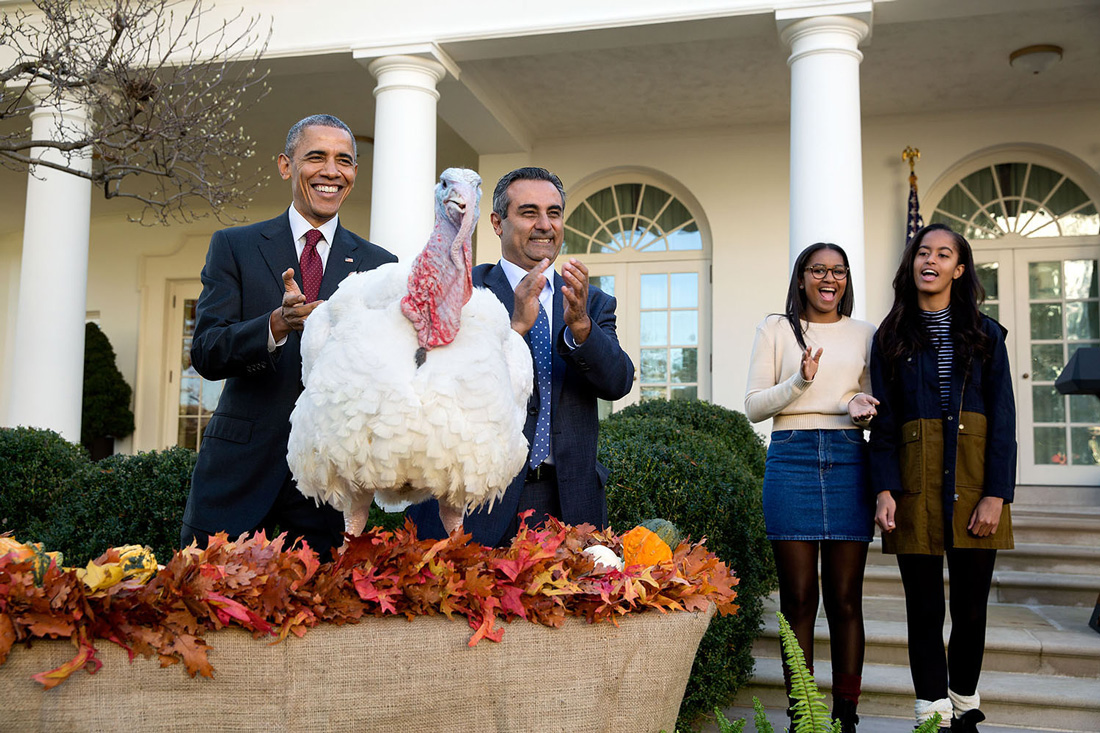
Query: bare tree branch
{"points": [[164, 82]]}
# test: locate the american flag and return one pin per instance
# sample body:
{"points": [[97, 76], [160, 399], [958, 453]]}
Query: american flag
{"points": [[914, 220]]}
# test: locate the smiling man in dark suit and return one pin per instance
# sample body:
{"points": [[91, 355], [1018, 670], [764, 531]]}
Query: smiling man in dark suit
{"points": [[248, 325], [562, 478]]}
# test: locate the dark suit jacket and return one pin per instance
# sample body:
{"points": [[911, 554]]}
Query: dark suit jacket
{"points": [[598, 368], [242, 459]]}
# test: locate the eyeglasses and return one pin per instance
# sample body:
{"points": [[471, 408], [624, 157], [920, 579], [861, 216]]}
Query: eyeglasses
{"points": [[818, 271]]}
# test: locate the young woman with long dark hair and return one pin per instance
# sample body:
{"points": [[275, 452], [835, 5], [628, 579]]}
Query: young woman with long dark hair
{"points": [[943, 459], [809, 373]]}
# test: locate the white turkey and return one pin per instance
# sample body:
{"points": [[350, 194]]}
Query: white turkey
{"points": [[416, 386]]}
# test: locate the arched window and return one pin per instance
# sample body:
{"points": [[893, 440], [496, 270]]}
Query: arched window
{"points": [[648, 248], [1021, 198], [634, 216]]}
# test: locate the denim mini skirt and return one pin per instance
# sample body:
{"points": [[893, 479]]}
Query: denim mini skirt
{"points": [[815, 486]]}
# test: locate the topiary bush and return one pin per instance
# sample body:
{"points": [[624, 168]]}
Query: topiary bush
{"points": [[105, 411], [701, 467], [36, 468]]}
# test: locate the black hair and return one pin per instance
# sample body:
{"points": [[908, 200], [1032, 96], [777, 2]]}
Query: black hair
{"points": [[795, 311], [500, 194], [902, 333], [295, 133]]}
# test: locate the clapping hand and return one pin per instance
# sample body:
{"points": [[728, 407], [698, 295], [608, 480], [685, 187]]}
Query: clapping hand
{"points": [[809, 363]]}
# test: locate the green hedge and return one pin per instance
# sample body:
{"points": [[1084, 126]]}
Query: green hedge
{"points": [[701, 467], [51, 492]]}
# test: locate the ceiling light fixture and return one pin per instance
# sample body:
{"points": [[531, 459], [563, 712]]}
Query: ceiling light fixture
{"points": [[1035, 59]]}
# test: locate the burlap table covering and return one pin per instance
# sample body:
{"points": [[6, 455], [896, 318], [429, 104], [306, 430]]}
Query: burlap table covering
{"points": [[379, 675]]}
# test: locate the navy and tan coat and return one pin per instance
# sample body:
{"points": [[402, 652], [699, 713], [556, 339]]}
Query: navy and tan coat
{"points": [[937, 464]]}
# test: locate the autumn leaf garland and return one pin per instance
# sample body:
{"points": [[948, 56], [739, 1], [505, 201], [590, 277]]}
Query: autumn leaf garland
{"points": [[271, 590]]}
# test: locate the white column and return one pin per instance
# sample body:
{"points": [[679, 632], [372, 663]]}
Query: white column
{"points": [[48, 370], [403, 185], [826, 158]]}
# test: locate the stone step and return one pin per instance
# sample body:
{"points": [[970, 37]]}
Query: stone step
{"points": [[1009, 586], [1056, 527], [1041, 701], [1052, 640], [1028, 557]]}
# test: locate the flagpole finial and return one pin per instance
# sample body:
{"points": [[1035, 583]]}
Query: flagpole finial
{"points": [[912, 155]]}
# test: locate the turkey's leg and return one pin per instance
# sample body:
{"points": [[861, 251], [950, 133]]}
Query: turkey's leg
{"points": [[355, 518], [451, 518]]}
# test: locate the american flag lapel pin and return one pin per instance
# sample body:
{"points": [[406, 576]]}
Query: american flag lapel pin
{"points": [[348, 259]]}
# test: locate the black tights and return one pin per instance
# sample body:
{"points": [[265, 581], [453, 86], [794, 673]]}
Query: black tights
{"points": [[971, 573], [842, 565]]}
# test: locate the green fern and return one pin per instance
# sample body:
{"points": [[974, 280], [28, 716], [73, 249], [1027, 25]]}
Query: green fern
{"points": [[759, 718], [810, 714], [932, 725]]}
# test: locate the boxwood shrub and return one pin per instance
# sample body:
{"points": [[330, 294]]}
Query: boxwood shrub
{"points": [[51, 492], [701, 467]]}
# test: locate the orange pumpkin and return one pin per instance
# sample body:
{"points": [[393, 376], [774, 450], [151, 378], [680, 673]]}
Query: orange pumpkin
{"points": [[642, 546]]}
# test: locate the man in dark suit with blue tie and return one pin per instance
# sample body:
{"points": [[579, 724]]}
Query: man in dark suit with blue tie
{"points": [[260, 283], [570, 327]]}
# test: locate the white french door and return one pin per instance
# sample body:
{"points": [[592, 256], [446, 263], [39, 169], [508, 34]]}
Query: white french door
{"points": [[1048, 300], [190, 399], [663, 324]]}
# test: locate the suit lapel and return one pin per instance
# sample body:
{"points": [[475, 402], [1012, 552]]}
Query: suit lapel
{"points": [[277, 249], [343, 259], [497, 282]]}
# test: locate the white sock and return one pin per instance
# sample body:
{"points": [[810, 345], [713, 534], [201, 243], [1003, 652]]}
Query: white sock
{"points": [[963, 703], [925, 709]]}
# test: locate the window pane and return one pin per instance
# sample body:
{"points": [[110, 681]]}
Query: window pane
{"points": [[211, 392], [1081, 281], [685, 327], [654, 328], [685, 239], [605, 283], [654, 291], [1068, 197], [583, 221], [687, 392], [684, 365], [653, 393], [1044, 280], [958, 203], [674, 216], [991, 310], [1046, 362], [1083, 222], [1047, 404], [653, 200], [1086, 446], [188, 433], [628, 196], [654, 365], [1046, 320], [1050, 446], [987, 275], [980, 183], [189, 395], [685, 289], [1040, 182], [1084, 408], [1082, 321]]}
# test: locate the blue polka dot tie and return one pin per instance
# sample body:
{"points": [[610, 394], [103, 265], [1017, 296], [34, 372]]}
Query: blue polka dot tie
{"points": [[540, 348]]}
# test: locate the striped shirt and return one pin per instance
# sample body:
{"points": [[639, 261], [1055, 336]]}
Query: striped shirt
{"points": [[938, 324]]}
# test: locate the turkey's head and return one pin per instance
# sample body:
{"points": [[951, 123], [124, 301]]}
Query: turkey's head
{"points": [[439, 282]]}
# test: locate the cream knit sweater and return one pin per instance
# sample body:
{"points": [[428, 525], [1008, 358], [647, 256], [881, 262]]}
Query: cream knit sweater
{"points": [[776, 387]]}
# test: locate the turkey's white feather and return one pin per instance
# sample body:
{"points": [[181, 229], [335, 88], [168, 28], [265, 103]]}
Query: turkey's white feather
{"points": [[369, 420]]}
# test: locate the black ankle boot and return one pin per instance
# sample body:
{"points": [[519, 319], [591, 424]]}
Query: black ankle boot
{"points": [[968, 723], [845, 712]]}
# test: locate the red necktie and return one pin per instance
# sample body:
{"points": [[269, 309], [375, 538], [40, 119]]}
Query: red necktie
{"points": [[312, 271]]}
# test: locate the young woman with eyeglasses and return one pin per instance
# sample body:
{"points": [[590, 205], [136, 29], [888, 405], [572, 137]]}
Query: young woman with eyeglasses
{"points": [[943, 459], [809, 373]]}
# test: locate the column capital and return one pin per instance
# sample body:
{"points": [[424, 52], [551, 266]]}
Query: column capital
{"points": [[831, 29], [414, 73]]}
